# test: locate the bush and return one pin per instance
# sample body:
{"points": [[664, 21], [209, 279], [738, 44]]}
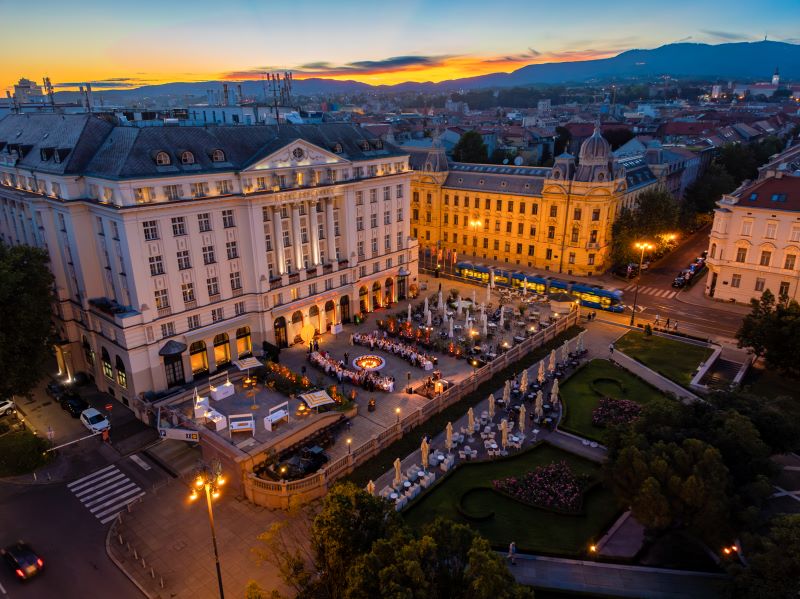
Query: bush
{"points": [[554, 487], [648, 330], [22, 452], [615, 411]]}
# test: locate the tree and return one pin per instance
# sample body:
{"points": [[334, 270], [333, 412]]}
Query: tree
{"points": [[26, 335], [655, 215], [563, 137], [618, 137], [773, 563], [705, 192], [470, 148], [772, 331]]}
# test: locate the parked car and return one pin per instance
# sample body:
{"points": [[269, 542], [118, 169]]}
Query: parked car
{"points": [[626, 271], [679, 282], [74, 404], [56, 389], [94, 420], [23, 560], [7, 407]]}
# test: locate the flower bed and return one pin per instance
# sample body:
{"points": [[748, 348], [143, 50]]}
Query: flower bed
{"points": [[612, 411], [553, 487]]}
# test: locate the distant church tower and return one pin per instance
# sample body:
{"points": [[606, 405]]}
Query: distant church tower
{"points": [[776, 78]]}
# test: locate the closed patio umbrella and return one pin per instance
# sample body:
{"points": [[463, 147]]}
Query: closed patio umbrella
{"points": [[448, 436], [552, 365], [522, 419], [371, 488], [491, 406], [507, 392], [398, 477], [488, 293], [429, 319], [565, 351], [450, 334], [425, 451], [441, 302], [471, 421], [554, 392], [409, 311], [538, 406], [504, 432], [541, 377], [473, 298], [523, 382]]}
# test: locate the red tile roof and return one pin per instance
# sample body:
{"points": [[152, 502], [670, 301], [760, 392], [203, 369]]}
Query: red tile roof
{"points": [[773, 193]]}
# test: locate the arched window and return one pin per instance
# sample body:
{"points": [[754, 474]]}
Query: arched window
{"points": [[198, 357], [713, 250], [108, 371], [163, 159], [218, 156], [244, 346], [88, 352], [122, 376], [187, 157], [222, 350]]}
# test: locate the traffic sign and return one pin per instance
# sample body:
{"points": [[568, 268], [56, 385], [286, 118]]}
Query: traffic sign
{"points": [[109, 407]]}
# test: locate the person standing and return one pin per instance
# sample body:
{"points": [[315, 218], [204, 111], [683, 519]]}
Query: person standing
{"points": [[346, 358], [512, 553], [658, 320]]}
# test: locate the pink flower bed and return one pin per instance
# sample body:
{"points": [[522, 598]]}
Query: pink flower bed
{"points": [[554, 486], [615, 411]]}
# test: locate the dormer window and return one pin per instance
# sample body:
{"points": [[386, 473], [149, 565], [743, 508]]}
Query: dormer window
{"points": [[187, 158], [163, 159], [378, 144], [217, 156], [365, 145], [337, 148]]}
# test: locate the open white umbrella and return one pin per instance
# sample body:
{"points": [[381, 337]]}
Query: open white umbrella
{"points": [[488, 293], [450, 334], [398, 476], [502, 317], [538, 406], [473, 298], [491, 278], [554, 392], [552, 365], [425, 449], [429, 320], [522, 419], [525, 287], [523, 382], [504, 432], [485, 330], [458, 304], [491, 406], [483, 311], [409, 311], [425, 307], [565, 351], [466, 319], [371, 487], [506, 392], [440, 303], [448, 436], [580, 341], [471, 421], [541, 377]]}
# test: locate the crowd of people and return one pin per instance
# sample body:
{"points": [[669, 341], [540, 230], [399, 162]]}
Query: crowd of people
{"points": [[553, 486], [362, 378], [408, 352]]}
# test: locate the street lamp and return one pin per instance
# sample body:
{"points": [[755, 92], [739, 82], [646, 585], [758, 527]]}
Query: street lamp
{"points": [[349, 443], [397, 411], [210, 478], [639, 245]]}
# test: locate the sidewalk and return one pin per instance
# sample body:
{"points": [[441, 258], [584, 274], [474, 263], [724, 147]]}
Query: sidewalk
{"points": [[616, 580], [171, 535], [656, 380], [695, 296]]}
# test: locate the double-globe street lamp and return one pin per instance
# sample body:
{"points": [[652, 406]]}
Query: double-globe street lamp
{"points": [[639, 245], [210, 478]]}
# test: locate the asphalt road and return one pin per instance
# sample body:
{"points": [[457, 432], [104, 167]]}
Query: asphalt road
{"points": [[70, 539]]}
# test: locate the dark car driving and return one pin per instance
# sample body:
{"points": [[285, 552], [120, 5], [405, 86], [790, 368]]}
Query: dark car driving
{"points": [[73, 403], [23, 560]]}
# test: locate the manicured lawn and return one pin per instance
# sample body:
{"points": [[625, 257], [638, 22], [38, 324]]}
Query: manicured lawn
{"points": [[21, 452], [675, 360], [768, 383], [533, 529], [583, 390]]}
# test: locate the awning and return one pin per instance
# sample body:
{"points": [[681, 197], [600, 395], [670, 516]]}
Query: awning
{"points": [[172, 348], [250, 362], [316, 399]]}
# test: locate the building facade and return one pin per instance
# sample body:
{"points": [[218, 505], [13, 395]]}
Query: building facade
{"points": [[754, 243], [553, 219], [177, 250]]}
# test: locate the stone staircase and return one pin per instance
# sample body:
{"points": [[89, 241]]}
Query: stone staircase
{"points": [[721, 374]]}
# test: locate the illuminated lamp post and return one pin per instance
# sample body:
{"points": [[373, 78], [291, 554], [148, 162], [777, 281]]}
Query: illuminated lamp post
{"points": [[210, 478], [642, 245]]}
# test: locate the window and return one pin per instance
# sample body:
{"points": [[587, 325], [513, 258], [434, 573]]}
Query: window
{"points": [[571, 258], [303, 235], [162, 299], [508, 227], [795, 235], [199, 190], [575, 234], [287, 242], [387, 217], [360, 223], [172, 192], [576, 214], [530, 250], [783, 289], [747, 226], [596, 214], [374, 245], [593, 236], [217, 156], [238, 308], [208, 254], [373, 220], [553, 211], [156, 266], [163, 159], [399, 191], [193, 322], [736, 281], [150, 228], [428, 199], [789, 263], [399, 240], [360, 198], [342, 280], [590, 260], [178, 226], [236, 280], [360, 249], [387, 194], [168, 329], [499, 205], [772, 230], [510, 206], [415, 197], [760, 284], [187, 158], [217, 314], [466, 202], [548, 255], [204, 222], [261, 183], [519, 248], [496, 245], [551, 232], [373, 196], [232, 250], [399, 215], [143, 195], [212, 284], [108, 371], [522, 207], [533, 231], [741, 254], [534, 209], [227, 219], [765, 258], [187, 289], [520, 228]]}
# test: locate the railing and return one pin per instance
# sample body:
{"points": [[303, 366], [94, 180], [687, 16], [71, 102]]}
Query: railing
{"points": [[285, 494]]}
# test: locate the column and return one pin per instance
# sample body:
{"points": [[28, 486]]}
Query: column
{"points": [[314, 232], [330, 230], [347, 218], [277, 243], [232, 341], [323, 318], [212, 359], [188, 375], [297, 240]]}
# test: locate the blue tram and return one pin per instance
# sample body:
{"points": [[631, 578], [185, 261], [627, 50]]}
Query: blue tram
{"points": [[588, 295]]}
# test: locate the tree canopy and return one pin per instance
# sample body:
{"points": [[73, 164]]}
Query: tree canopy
{"points": [[772, 332], [26, 295], [655, 216], [470, 148]]}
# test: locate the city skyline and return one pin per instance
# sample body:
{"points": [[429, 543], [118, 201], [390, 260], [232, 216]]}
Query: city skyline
{"points": [[381, 45]]}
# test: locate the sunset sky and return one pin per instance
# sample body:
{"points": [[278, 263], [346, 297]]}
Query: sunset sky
{"points": [[151, 41]]}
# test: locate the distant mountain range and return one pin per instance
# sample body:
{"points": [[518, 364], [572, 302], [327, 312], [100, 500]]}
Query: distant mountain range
{"points": [[741, 60]]}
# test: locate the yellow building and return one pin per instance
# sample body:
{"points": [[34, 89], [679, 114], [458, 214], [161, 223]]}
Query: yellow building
{"points": [[552, 219]]}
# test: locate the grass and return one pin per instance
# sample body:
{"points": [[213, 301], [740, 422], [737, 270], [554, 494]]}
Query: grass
{"points": [[22, 452], [383, 461], [673, 359], [580, 398], [533, 529], [769, 383]]}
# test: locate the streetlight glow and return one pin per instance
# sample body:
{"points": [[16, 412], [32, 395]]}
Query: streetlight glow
{"points": [[643, 246], [210, 479]]}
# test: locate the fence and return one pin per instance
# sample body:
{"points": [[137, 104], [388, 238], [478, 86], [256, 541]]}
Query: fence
{"points": [[286, 494]]}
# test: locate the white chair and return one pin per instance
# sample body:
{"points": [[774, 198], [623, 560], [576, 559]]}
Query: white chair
{"points": [[461, 454]]}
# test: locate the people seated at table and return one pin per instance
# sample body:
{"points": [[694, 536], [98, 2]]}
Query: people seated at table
{"points": [[408, 352], [363, 378]]}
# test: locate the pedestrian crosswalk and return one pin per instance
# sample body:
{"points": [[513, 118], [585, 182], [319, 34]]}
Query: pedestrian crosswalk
{"points": [[654, 291], [106, 492]]}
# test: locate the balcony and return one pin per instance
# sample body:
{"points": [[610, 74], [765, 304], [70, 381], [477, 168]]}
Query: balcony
{"points": [[214, 298], [166, 311], [592, 246], [191, 305], [327, 268], [110, 307], [238, 291]]}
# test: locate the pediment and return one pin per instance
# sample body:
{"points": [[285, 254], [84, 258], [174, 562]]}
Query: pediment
{"points": [[298, 153]]}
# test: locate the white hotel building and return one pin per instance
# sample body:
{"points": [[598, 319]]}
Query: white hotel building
{"points": [[176, 250]]}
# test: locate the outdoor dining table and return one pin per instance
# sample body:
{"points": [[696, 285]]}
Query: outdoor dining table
{"points": [[393, 496], [493, 445], [547, 406], [407, 484]]}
